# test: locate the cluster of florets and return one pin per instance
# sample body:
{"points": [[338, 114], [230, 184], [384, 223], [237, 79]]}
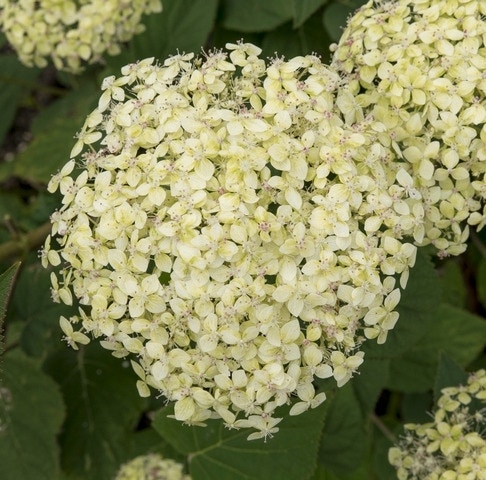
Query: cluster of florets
{"points": [[225, 223], [152, 467], [72, 32], [453, 445], [418, 67]]}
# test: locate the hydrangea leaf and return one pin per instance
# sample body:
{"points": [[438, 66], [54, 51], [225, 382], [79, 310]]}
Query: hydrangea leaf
{"points": [[31, 415], [215, 452], [454, 288], [256, 16], [182, 26], [53, 132], [103, 408], [336, 15], [7, 280], [369, 382], [15, 80], [41, 333], [481, 281], [414, 407], [417, 308], [449, 373], [308, 40], [457, 332], [343, 442], [303, 9]]}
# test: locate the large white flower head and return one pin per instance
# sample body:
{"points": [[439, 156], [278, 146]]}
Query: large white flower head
{"points": [[73, 32], [418, 67], [453, 445], [151, 467], [223, 225]]}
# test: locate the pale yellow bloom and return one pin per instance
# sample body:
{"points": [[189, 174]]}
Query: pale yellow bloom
{"points": [[453, 444], [230, 230], [71, 33]]}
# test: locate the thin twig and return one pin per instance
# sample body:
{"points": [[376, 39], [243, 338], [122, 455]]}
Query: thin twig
{"points": [[382, 427], [24, 243]]}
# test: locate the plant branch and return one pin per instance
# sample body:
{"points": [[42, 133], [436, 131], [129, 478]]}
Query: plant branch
{"points": [[59, 92], [24, 243], [383, 428]]}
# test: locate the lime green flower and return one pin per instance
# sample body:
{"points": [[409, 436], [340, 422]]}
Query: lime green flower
{"points": [[418, 68], [452, 446], [71, 33], [151, 467]]}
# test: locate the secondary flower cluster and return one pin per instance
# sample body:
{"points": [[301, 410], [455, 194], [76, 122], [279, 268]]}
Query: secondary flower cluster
{"points": [[228, 224], [151, 467], [453, 445], [71, 32], [418, 67]]}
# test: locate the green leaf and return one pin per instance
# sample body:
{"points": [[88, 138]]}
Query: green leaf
{"points": [[457, 332], [449, 373], [307, 39], [417, 308], [382, 468], [371, 379], [31, 414], [481, 281], [256, 15], [453, 283], [103, 409], [362, 473], [343, 442], [7, 280], [336, 15], [217, 453], [415, 407], [53, 132], [41, 333], [15, 81], [303, 9], [147, 441], [182, 26]]}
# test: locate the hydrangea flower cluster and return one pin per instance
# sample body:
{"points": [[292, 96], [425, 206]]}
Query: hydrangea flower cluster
{"points": [[71, 32], [453, 445], [418, 67], [234, 228], [151, 467]]}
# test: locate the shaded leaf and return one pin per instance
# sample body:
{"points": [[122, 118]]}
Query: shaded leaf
{"points": [[481, 281], [415, 407], [344, 441], [303, 9], [449, 373], [454, 289], [457, 332], [15, 81], [417, 308], [31, 414], [53, 133], [382, 468], [309, 38], [255, 15], [41, 333], [370, 381], [336, 15], [7, 280], [215, 452], [103, 408], [182, 26]]}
